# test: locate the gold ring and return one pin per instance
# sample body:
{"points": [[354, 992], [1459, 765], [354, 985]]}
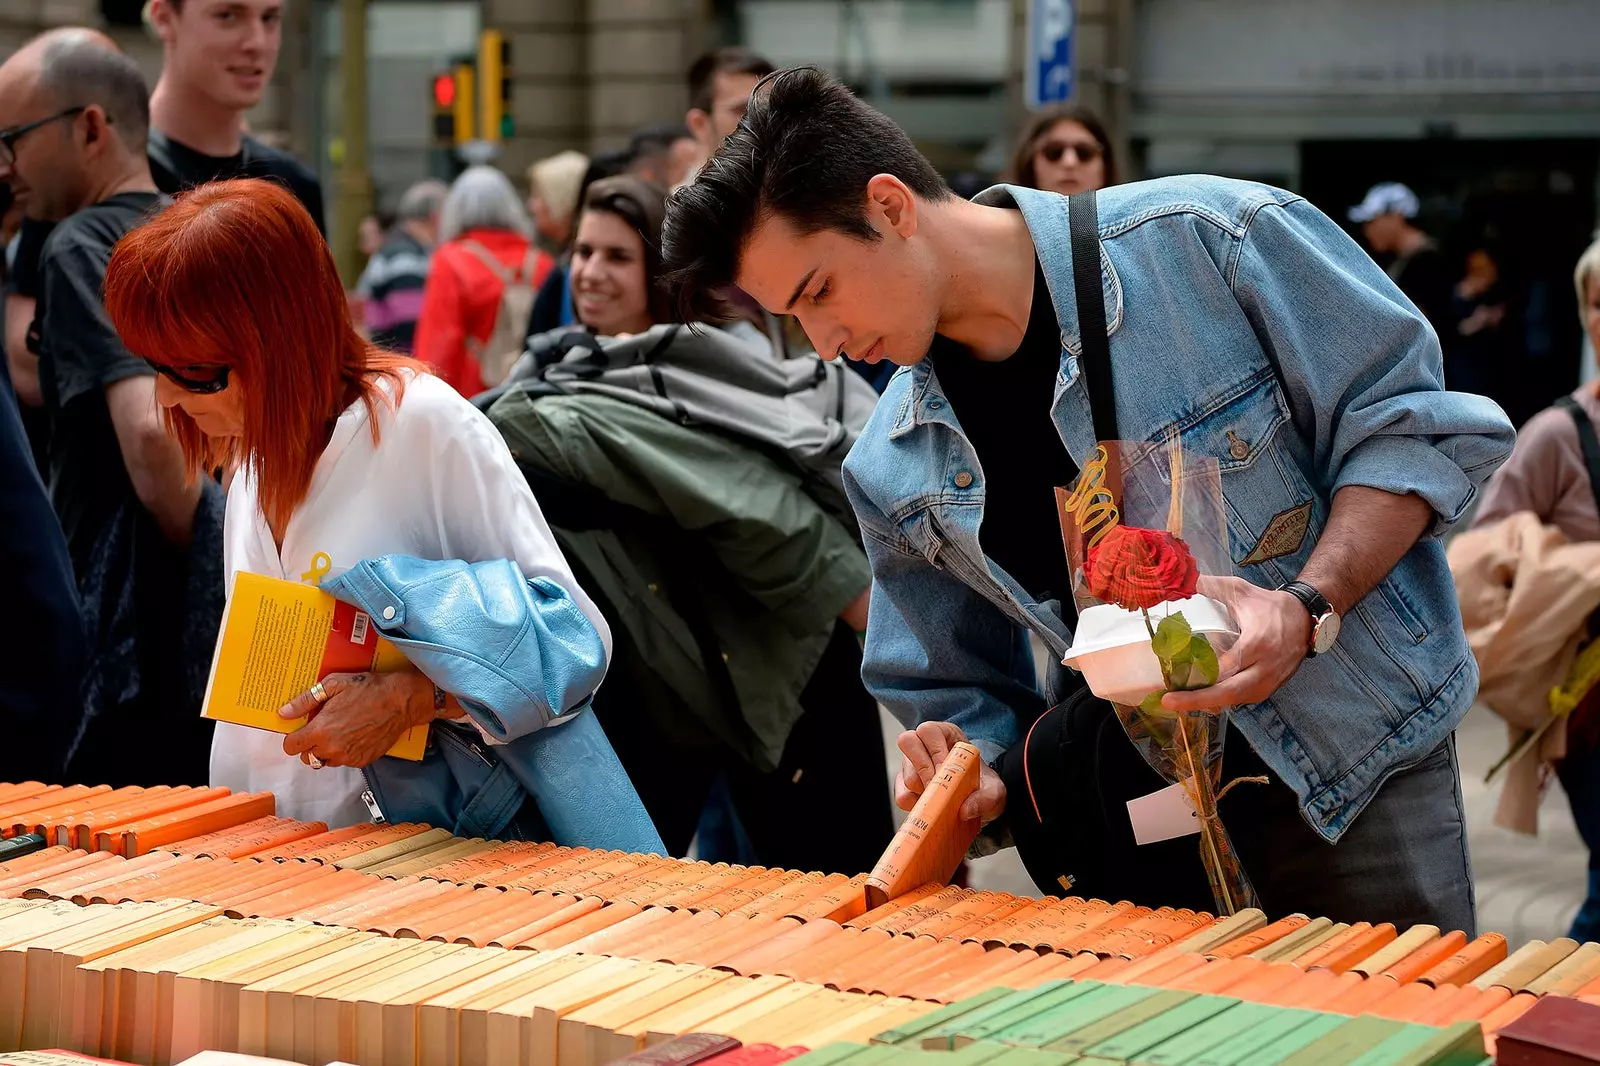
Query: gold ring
{"points": [[319, 693], [316, 763]]}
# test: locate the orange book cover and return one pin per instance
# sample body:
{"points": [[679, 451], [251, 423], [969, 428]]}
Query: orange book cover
{"points": [[940, 954], [310, 848], [280, 637], [1409, 1003], [709, 881], [1354, 950], [1507, 1012], [1450, 1000], [140, 837], [769, 956], [839, 901], [738, 894], [293, 902], [1091, 925], [1002, 931], [925, 909], [442, 921], [807, 886], [46, 819], [1425, 958], [272, 882], [523, 936], [151, 803], [744, 934], [55, 797], [121, 883], [1487, 1001], [975, 976], [972, 912], [814, 964], [257, 839], [60, 882], [22, 790], [933, 839], [1244, 945]]}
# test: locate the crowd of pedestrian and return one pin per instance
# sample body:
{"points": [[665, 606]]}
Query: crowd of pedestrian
{"points": [[623, 382]]}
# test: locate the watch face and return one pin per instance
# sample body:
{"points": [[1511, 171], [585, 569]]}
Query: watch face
{"points": [[1325, 632]]}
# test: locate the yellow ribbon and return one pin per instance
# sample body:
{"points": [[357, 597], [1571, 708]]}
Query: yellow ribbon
{"points": [[1091, 503], [321, 564]]}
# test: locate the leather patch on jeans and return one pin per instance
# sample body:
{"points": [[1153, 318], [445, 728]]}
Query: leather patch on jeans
{"points": [[1283, 535]]}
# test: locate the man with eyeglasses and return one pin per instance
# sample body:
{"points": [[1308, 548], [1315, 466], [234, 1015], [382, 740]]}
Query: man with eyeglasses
{"points": [[73, 121]]}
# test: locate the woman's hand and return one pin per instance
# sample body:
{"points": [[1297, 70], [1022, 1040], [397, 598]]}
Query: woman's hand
{"points": [[362, 717]]}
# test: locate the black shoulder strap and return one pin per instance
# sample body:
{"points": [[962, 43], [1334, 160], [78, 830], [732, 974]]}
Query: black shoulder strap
{"points": [[1084, 221], [1588, 440]]}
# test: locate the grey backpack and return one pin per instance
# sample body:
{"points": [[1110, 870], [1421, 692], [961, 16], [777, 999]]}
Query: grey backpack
{"points": [[496, 355]]}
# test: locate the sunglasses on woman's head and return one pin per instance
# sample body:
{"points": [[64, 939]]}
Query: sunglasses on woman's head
{"points": [[205, 386], [1086, 151]]}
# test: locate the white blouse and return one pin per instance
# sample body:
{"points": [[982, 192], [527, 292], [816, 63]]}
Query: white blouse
{"points": [[439, 484]]}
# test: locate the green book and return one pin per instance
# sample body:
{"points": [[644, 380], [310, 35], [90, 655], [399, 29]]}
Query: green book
{"points": [[1350, 1040], [1427, 1045], [1181, 1047], [914, 1029], [1146, 1008], [1007, 1012], [1025, 1056], [1272, 1041], [974, 1054], [1127, 1044], [830, 1055], [940, 1038], [1066, 1014]]}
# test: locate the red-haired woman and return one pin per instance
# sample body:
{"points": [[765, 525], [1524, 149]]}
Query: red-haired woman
{"points": [[342, 451]]}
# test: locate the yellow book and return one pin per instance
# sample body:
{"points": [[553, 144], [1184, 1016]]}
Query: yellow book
{"points": [[278, 638], [572, 1031], [439, 1014], [265, 1011], [398, 1014], [618, 1039]]}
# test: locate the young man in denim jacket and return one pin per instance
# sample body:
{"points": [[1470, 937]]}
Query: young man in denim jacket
{"points": [[1240, 319]]}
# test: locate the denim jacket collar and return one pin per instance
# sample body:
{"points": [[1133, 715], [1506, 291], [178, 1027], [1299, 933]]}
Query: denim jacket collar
{"points": [[1047, 217]]}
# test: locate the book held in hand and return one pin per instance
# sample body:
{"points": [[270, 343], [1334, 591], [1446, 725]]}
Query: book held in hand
{"points": [[933, 839], [278, 638]]}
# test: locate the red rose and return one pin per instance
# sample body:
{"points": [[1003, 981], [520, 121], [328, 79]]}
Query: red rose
{"points": [[1139, 568]]}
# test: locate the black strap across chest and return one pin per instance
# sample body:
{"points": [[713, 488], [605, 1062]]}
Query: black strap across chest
{"points": [[1587, 440], [1084, 226]]}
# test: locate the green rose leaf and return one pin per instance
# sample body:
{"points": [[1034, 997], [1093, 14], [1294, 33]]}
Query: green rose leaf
{"points": [[1202, 662], [1172, 637]]}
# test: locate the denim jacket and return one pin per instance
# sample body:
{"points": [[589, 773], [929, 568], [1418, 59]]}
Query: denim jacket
{"points": [[1248, 324]]}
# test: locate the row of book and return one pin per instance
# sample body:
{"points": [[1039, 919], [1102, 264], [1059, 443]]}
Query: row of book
{"points": [[808, 933]]}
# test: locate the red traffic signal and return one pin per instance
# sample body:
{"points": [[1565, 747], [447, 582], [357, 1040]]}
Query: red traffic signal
{"points": [[444, 90]]}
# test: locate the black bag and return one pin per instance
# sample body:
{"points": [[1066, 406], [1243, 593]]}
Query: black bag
{"points": [[1069, 780]]}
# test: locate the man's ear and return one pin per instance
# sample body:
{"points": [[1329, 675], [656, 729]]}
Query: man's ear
{"points": [[699, 124], [160, 17], [890, 200], [96, 126]]}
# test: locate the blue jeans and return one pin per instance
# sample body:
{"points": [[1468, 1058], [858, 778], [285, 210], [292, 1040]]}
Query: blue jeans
{"points": [[1580, 777]]}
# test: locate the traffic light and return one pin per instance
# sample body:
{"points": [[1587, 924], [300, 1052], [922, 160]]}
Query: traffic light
{"points": [[444, 102], [494, 75], [462, 107]]}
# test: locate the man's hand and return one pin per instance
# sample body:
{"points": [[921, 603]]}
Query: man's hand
{"points": [[361, 719], [855, 615], [1274, 633], [923, 749]]}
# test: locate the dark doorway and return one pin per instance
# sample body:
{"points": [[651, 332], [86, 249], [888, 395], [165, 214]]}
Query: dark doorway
{"points": [[1529, 204]]}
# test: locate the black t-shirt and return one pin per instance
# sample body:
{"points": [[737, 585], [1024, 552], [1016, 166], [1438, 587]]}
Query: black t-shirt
{"points": [[1004, 410], [80, 355], [177, 167], [1425, 277]]}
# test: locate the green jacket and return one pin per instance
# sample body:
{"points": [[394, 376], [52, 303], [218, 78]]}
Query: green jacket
{"points": [[770, 568]]}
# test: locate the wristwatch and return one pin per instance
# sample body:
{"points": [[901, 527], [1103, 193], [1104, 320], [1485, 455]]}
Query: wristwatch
{"points": [[1325, 620]]}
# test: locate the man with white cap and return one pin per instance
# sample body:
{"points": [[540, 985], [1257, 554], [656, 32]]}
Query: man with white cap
{"points": [[1418, 267]]}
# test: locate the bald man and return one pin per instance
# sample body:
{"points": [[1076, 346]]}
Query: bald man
{"points": [[74, 116]]}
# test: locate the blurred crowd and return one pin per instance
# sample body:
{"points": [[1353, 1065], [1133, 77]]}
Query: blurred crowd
{"points": [[719, 552]]}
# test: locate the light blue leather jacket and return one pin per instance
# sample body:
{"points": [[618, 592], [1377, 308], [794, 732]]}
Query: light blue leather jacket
{"points": [[1246, 322], [524, 662]]}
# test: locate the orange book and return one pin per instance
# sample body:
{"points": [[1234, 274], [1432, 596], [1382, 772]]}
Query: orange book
{"points": [[589, 880], [1487, 1002], [294, 879], [278, 638], [475, 869], [61, 883], [144, 866], [522, 936], [1334, 945], [973, 907], [941, 955], [17, 885], [1091, 925], [812, 964], [476, 908], [1359, 998], [307, 849], [982, 974], [1425, 958], [744, 934], [806, 887], [764, 958], [841, 901], [869, 970], [140, 837], [1447, 1004], [1157, 976], [891, 907], [1470, 962], [46, 819], [933, 839], [1406, 1003], [1244, 945], [1219, 975], [1356, 949], [51, 797], [151, 803], [1270, 977], [253, 838], [975, 929], [451, 898], [746, 892], [667, 937], [22, 790], [294, 902], [582, 926], [1505, 1014], [619, 939], [656, 883], [1312, 986], [1002, 931], [913, 914], [711, 883]]}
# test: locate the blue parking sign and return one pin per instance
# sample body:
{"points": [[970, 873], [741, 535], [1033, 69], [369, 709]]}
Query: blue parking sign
{"points": [[1049, 66]]}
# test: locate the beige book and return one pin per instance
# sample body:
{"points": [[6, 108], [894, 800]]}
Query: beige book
{"points": [[144, 1019], [325, 1017], [803, 1015], [689, 1015], [198, 995], [47, 1016], [457, 848], [505, 1030], [265, 1007], [453, 1028], [411, 845], [748, 1021], [572, 1031], [542, 1011], [870, 1020], [386, 1016], [1287, 947], [618, 1039], [1395, 950]]}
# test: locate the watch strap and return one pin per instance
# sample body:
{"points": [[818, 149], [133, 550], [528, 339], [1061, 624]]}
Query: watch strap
{"points": [[1315, 602]]}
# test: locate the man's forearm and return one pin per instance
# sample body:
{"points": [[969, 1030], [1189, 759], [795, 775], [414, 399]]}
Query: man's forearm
{"points": [[1368, 532]]}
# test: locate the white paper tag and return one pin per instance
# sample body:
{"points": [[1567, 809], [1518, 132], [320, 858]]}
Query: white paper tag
{"points": [[1162, 815]]}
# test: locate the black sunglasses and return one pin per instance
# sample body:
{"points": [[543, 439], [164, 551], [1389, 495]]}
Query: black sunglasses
{"points": [[10, 137], [202, 386], [1086, 151]]}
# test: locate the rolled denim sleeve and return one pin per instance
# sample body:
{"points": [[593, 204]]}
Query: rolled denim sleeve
{"points": [[1361, 367], [936, 651]]}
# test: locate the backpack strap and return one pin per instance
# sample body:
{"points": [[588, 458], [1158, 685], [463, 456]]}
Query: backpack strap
{"points": [[530, 263], [1587, 440], [1084, 225], [487, 258]]}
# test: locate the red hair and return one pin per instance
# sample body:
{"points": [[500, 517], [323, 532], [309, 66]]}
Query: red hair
{"points": [[235, 273]]}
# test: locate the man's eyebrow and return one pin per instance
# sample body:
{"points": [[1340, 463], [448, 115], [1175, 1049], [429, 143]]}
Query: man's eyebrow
{"points": [[800, 288]]}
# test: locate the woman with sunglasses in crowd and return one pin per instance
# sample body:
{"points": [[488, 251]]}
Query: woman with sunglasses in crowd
{"points": [[341, 452], [1064, 149]]}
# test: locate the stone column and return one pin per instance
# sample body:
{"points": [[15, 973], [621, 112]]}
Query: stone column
{"points": [[549, 77]]}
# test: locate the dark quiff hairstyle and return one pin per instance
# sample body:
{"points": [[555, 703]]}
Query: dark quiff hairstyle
{"points": [[641, 205], [1022, 173], [730, 60], [804, 152]]}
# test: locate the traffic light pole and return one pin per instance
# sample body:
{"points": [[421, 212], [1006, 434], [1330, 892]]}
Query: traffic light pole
{"points": [[354, 184]]}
